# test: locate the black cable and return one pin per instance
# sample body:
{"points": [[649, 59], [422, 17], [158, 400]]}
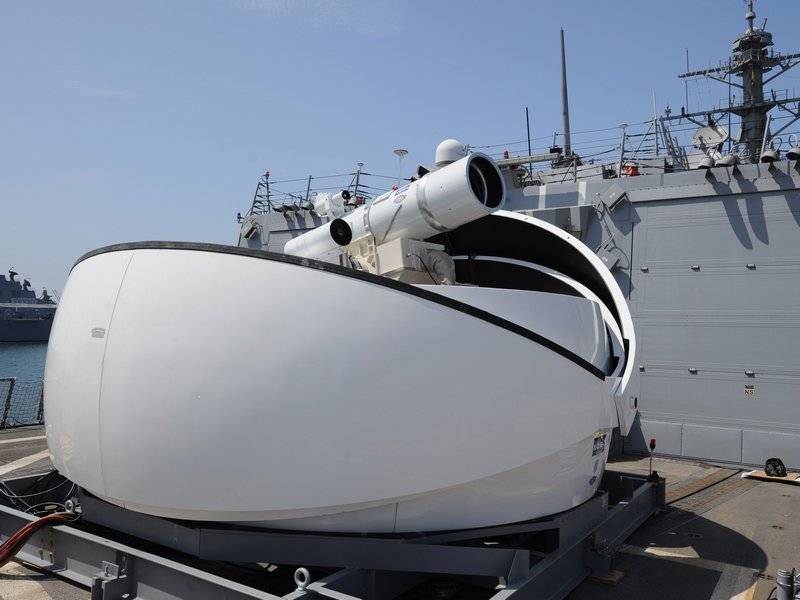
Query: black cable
{"points": [[9, 494], [385, 176], [549, 137], [424, 265], [312, 177], [20, 501]]}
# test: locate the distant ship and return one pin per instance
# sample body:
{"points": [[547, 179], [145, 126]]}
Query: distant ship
{"points": [[23, 316]]}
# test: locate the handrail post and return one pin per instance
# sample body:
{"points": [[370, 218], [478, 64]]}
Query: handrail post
{"points": [[7, 404], [40, 410]]}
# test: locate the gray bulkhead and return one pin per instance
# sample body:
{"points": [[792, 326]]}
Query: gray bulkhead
{"points": [[710, 263]]}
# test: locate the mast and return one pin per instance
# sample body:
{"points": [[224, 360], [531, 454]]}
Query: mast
{"points": [[528, 128], [686, 82], [262, 202], [308, 189], [357, 180], [565, 99], [753, 63], [750, 61]]}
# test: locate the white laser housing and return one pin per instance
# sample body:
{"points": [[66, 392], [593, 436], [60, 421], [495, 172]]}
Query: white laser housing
{"points": [[442, 200]]}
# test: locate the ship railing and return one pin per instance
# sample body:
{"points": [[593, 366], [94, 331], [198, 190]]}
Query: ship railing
{"points": [[22, 402]]}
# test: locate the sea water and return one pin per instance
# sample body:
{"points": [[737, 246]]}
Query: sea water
{"points": [[21, 399], [23, 360]]}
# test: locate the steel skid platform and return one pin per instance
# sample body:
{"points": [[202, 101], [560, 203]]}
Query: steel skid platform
{"points": [[122, 554]]}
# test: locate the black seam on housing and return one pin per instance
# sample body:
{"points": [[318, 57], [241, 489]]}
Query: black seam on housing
{"points": [[363, 276]]}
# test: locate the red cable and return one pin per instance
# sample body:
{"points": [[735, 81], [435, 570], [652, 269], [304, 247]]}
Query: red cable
{"points": [[13, 544]]}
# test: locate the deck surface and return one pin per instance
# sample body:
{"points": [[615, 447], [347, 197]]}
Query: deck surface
{"points": [[721, 537]]}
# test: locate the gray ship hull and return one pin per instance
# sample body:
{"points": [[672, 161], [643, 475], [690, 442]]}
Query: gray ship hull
{"points": [[26, 322], [25, 330], [23, 316]]}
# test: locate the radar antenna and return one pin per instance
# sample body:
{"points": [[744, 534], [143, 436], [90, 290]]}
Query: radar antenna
{"points": [[750, 62]]}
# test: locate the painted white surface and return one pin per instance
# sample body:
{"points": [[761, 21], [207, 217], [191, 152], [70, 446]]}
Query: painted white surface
{"points": [[547, 485], [626, 408], [22, 439], [449, 151], [442, 200], [73, 368], [575, 323], [23, 462], [305, 394], [608, 317]]}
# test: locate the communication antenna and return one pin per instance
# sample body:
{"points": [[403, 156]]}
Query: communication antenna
{"points": [[623, 127], [565, 98], [750, 16], [400, 152], [528, 128], [655, 121], [357, 178], [686, 84]]}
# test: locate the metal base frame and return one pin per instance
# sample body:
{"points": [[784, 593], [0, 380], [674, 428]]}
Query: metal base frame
{"points": [[543, 559]]}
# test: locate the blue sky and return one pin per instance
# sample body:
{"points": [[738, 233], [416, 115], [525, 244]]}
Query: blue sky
{"points": [[142, 120]]}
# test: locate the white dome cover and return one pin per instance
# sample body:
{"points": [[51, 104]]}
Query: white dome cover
{"points": [[418, 412], [449, 151]]}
